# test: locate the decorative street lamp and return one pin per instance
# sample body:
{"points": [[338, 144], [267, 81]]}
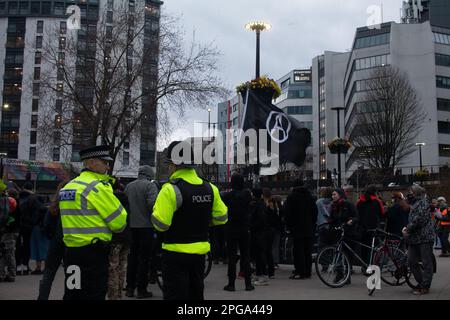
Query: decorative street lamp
{"points": [[257, 26]]}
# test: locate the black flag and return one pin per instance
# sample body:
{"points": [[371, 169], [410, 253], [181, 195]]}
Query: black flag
{"points": [[261, 114]]}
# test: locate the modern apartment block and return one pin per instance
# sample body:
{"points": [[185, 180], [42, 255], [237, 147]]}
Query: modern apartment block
{"points": [[422, 52], [24, 27]]}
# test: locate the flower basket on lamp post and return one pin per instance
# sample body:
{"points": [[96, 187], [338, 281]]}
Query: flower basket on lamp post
{"points": [[339, 145], [265, 88]]}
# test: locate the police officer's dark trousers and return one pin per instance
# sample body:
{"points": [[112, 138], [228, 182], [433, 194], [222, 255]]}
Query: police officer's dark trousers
{"points": [[183, 276], [93, 261]]}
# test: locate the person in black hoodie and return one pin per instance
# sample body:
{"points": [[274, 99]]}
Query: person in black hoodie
{"points": [[301, 217], [370, 211], [237, 230]]}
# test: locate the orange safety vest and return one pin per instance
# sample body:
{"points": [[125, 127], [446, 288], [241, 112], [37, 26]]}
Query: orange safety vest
{"points": [[444, 223]]}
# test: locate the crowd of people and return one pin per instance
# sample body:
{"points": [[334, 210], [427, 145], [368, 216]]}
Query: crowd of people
{"points": [[31, 229]]}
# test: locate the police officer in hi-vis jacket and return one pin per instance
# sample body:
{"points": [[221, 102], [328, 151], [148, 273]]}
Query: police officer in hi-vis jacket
{"points": [[185, 208], [90, 213]]}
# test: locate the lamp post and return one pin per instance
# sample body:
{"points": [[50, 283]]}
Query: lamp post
{"points": [[257, 26], [420, 145], [338, 109], [209, 140]]}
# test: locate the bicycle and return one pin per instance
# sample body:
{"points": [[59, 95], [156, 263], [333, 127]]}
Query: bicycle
{"points": [[333, 265]]}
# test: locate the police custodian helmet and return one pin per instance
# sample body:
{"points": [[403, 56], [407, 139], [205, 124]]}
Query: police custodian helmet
{"points": [[97, 152], [175, 154]]}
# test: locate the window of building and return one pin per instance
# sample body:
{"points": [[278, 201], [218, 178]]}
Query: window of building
{"points": [[300, 94], [36, 88], [37, 57], [61, 58], [58, 8], [56, 138], [444, 127], [34, 121], [35, 7], [33, 137], [371, 41], [126, 158], [235, 107], [2, 7], [443, 104], [46, 7], [56, 154], [15, 42], [442, 38], [35, 105], [284, 84], [58, 121], [24, 8], [60, 74], [12, 7], [37, 73], [444, 150], [299, 110], [38, 42], [63, 27], [126, 145], [62, 43], [40, 26], [443, 82], [14, 58], [109, 17], [442, 60], [32, 155], [110, 4], [58, 106], [372, 62]]}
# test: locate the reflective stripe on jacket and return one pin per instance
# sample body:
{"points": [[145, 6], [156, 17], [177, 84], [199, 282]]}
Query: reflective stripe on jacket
{"points": [[169, 200], [89, 209], [444, 214]]}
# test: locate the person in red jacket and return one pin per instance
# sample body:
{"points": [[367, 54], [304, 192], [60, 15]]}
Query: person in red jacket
{"points": [[371, 211]]}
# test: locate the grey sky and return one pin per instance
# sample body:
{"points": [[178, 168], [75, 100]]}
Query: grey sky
{"points": [[301, 30]]}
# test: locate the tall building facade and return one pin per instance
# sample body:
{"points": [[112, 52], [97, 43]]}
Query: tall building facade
{"points": [[296, 100], [328, 71], [27, 26], [422, 52]]}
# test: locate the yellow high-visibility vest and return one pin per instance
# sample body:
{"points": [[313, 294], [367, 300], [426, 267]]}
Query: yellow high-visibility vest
{"points": [[168, 201], [89, 209]]}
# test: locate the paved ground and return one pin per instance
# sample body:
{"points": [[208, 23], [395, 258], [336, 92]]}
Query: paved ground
{"points": [[280, 288]]}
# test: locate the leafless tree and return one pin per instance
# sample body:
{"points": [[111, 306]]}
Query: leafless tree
{"points": [[388, 121], [108, 79]]}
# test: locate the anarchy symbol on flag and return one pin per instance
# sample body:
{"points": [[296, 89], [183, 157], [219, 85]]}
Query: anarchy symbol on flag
{"points": [[278, 126]]}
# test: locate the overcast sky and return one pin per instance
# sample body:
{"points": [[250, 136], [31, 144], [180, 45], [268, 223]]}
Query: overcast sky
{"points": [[301, 30]]}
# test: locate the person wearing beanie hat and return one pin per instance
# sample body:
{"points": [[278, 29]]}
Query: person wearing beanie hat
{"points": [[340, 192]]}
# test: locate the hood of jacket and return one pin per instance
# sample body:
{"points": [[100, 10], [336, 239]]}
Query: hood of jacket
{"points": [[146, 172]]}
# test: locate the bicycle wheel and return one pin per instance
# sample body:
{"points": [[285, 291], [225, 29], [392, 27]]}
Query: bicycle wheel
{"points": [[208, 263], [392, 263], [333, 267]]}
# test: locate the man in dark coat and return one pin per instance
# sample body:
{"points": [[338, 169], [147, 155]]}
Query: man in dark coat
{"points": [[237, 230], [301, 217]]}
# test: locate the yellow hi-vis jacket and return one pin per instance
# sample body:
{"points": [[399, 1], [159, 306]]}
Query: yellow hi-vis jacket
{"points": [[166, 205], [89, 209]]}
